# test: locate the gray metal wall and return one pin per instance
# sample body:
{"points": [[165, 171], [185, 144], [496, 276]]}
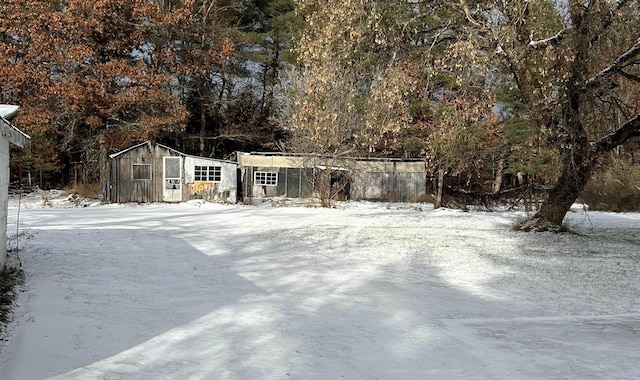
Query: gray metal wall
{"points": [[392, 187], [405, 184]]}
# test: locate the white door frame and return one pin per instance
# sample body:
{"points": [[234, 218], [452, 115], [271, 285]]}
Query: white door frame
{"points": [[171, 183]]}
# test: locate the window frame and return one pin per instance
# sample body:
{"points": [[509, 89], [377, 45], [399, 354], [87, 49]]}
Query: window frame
{"points": [[133, 172], [265, 178], [207, 173]]}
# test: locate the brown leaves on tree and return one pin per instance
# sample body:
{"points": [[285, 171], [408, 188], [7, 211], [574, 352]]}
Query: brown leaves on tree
{"points": [[82, 69]]}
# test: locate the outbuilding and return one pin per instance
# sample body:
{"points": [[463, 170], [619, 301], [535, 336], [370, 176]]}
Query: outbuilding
{"points": [[152, 172], [9, 134], [266, 175]]}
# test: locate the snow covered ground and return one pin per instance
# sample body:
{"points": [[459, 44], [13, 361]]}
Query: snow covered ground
{"points": [[361, 291]]}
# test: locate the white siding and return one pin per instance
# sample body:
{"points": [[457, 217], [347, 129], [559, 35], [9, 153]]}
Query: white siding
{"points": [[223, 191], [4, 198]]}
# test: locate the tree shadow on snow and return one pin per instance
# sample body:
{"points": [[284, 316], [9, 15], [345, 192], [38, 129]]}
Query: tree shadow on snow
{"points": [[94, 293], [251, 294]]}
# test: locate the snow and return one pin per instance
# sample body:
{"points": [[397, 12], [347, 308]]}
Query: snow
{"points": [[363, 290], [8, 111]]}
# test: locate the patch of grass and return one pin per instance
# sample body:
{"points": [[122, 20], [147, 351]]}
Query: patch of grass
{"points": [[85, 190], [617, 190], [536, 225], [9, 282]]}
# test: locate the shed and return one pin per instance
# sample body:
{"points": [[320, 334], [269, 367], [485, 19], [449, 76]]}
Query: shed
{"points": [[152, 172], [266, 175], [9, 134]]}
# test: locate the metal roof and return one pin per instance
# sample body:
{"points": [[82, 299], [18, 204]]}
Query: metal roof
{"points": [[114, 155]]}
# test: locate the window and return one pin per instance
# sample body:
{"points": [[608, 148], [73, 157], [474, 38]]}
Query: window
{"points": [[141, 171], [208, 173], [172, 167], [265, 178]]}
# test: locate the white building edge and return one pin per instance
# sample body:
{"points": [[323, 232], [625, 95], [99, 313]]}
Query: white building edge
{"points": [[9, 135]]}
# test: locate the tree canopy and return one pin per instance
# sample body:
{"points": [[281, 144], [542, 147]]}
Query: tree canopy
{"points": [[95, 77], [576, 69], [480, 89]]}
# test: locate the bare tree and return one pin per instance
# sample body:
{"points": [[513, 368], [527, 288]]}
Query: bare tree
{"points": [[346, 90], [576, 65]]}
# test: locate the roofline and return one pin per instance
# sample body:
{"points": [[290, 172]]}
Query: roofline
{"points": [[15, 135], [380, 159], [209, 158], [149, 142]]}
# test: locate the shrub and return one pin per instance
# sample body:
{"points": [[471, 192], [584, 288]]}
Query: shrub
{"points": [[86, 190], [617, 189]]}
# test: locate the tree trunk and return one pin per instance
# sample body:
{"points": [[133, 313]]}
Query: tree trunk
{"points": [[440, 187], [576, 172], [497, 182], [103, 160], [325, 186], [577, 169], [203, 129]]}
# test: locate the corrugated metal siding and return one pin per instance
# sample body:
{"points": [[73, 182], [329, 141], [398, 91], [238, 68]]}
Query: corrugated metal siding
{"points": [[293, 177], [392, 180]]}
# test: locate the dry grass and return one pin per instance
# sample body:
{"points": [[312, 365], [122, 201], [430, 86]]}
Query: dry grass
{"points": [[536, 225], [85, 190], [9, 282], [617, 189]]}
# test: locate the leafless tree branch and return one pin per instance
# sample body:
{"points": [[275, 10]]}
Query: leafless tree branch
{"points": [[615, 67], [551, 41], [629, 76], [467, 13], [627, 131]]}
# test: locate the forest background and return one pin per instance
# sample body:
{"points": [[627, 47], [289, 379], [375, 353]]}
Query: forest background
{"points": [[491, 94]]}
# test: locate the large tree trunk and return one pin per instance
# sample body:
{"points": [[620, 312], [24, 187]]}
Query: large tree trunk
{"points": [[576, 172], [577, 169]]}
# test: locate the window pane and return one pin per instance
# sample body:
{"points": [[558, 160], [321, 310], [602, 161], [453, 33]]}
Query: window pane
{"points": [[214, 173], [266, 178], [141, 171], [200, 173], [172, 167], [208, 173]]}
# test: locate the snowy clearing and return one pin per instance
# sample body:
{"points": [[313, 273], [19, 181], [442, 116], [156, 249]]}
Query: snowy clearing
{"points": [[373, 291]]}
